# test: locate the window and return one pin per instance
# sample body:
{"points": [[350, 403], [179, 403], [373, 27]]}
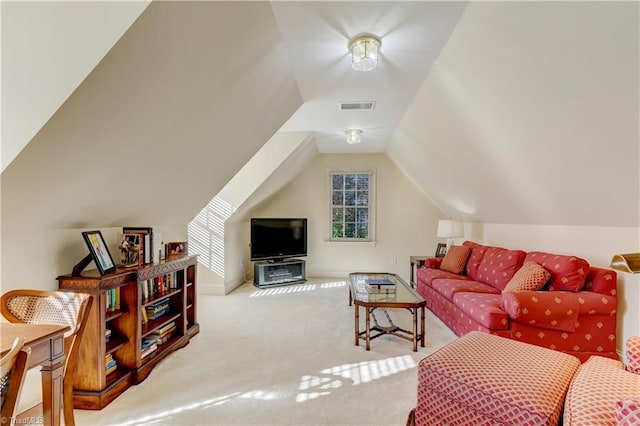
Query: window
{"points": [[351, 201]]}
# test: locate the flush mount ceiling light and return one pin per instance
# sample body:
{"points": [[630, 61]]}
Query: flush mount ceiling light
{"points": [[353, 136], [364, 52]]}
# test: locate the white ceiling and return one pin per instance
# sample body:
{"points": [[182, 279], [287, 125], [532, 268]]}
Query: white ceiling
{"points": [[316, 37]]}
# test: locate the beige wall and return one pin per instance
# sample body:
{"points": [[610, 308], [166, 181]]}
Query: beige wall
{"points": [[406, 220], [34, 258]]}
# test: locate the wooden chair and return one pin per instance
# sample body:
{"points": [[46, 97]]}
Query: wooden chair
{"points": [[13, 369], [58, 308]]}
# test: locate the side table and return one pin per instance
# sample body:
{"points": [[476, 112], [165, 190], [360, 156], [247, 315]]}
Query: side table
{"points": [[417, 262]]}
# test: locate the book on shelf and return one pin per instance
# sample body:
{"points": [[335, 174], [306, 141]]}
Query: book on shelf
{"points": [[145, 319], [157, 313], [166, 328], [110, 364], [112, 299], [148, 350]]}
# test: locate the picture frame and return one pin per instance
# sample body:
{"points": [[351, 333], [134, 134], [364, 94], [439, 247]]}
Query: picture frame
{"points": [[147, 251], [441, 250], [99, 251], [176, 247]]}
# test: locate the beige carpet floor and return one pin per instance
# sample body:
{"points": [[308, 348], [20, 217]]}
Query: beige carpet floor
{"points": [[281, 356]]}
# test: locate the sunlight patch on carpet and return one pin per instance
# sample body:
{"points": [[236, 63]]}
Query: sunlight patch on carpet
{"points": [[212, 402], [312, 387], [296, 288]]}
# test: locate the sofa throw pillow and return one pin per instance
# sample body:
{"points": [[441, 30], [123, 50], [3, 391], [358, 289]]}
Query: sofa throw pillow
{"points": [[456, 259], [568, 273], [530, 277]]}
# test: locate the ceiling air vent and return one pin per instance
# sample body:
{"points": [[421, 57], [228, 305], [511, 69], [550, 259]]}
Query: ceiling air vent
{"points": [[357, 106]]}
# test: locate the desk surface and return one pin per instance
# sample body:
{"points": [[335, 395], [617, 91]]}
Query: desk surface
{"points": [[34, 334]]}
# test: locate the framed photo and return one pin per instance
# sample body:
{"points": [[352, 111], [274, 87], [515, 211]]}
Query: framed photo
{"points": [[176, 247], [130, 250], [99, 251], [441, 250]]}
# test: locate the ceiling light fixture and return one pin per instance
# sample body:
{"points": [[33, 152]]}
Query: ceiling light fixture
{"points": [[364, 50], [353, 136]]}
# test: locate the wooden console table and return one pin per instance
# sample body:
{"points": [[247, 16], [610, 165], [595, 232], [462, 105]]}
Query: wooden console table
{"points": [[47, 349]]}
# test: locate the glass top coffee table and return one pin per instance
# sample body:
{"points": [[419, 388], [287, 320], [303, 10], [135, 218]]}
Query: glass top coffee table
{"points": [[383, 291]]}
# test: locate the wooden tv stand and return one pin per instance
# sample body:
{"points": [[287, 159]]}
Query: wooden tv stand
{"points": [[120, 298], [271, 274]]}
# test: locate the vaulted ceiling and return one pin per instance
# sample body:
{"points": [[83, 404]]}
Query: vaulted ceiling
{"points": [[503, 112]]}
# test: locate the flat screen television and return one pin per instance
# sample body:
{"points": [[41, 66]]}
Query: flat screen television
{"points": [[278, 238]]}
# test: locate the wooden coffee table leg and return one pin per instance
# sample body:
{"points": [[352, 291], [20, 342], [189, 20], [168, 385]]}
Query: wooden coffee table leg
{"points": [[368, 328], [356, 309], [422, 325], [415, 329]]}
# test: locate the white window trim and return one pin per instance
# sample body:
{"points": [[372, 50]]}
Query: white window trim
{"points": [[371, 241]]}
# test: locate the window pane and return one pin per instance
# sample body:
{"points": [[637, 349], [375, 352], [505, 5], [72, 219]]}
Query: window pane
{"points": [[363, 181], [350, 230], [362, 230], [362, 198], [337, 181], [349, 215], [349, 198], [337, 230], [338, 198], [337, 214], [350, 181], [362, 215]]}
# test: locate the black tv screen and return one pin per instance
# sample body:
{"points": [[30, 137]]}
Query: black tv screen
{"points": [[273, 239]]}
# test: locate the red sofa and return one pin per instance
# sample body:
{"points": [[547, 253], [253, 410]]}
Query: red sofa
{"points": [[575, 311]]}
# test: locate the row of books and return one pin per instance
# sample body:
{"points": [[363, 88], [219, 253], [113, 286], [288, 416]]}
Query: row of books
{"points": [[112, 299], [156, 310], [163, 334], [110, 364], [159, 284], [147, 347]]}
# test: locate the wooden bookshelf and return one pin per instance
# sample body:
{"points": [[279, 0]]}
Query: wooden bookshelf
{"points": [[119, 299]]}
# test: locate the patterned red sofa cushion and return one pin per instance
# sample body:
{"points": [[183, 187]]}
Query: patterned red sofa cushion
{"points": [[427, 275], [484, 308], [603, 281], [477, 253], [448, 287], [567, 272], [555, 311], [498, 266], [456, 259]]}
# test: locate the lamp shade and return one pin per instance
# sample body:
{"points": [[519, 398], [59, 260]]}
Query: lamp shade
{"points": [[448, 228], [629, 262]]}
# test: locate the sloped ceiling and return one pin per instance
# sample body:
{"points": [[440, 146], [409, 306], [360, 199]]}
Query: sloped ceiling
{"points": [[44, 59], [531, 116], [173, 111]]}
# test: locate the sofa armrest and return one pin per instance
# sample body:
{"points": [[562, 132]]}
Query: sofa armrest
{"points": [[433, 262], [553, 310]]}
